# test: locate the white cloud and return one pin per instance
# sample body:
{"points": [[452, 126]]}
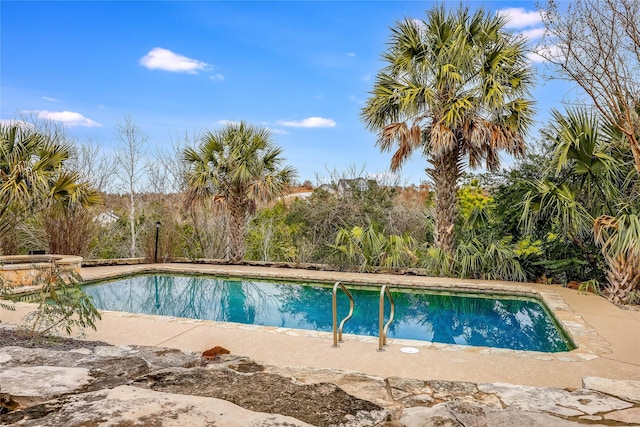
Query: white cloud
{"points": [[351, 54], [552, 51], [48, 98], [69, 118], [535, 58], [533, 33], [519, 17], [309, 122], [163, 59], [217, 77]]}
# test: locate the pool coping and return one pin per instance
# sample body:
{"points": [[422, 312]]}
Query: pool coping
{"points": [[589, 344]]}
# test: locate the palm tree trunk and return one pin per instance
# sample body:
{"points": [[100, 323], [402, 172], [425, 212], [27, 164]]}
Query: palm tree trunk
{"points": [[445, 174], [237, 229], [635, 150], [623, 276]]}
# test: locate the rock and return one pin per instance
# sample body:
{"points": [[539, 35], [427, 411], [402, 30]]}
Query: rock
{"points": [[460, 414], [214, 352], [44, 382], [591, 402], [443, 391], [103, 371], [418, 400], [126, 405], [114, 351], [591, 417], [81, 350], [113, 357], [624, 389], [438, 415], [159, 358], [81, 374], [363, 386], [318, 404], [156, 357], [554, 400], [449, 390], [90, 383], [247, 367], [401, 388], [114, 371], [20, 356], [631, 415]]}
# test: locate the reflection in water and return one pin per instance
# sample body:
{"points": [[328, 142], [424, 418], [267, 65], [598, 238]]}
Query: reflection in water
{"points": [[504, 322]]}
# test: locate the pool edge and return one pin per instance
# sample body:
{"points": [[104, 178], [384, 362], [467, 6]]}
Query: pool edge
{"points": [[589, 344]]}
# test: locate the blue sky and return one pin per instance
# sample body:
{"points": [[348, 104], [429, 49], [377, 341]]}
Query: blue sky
{"points": [[301, 68]]}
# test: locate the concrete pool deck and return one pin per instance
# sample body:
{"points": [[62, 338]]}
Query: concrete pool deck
{"points": [[608, 337]]}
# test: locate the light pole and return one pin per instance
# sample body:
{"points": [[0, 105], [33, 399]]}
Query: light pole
{"points": [[155, 254]]}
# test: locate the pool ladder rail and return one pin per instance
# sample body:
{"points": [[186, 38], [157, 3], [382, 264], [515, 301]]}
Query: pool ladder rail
{"points": [[382, 327], [382, 334], [337, 330]]}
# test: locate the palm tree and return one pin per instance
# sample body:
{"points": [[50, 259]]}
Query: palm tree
{"points": [[620, 240], [583, 158], [372, 250], [455, 87], [32, 176], [240, 167], [587, 190]]}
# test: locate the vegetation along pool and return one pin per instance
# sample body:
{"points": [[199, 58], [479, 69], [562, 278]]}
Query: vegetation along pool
{"points": [[477, 320]]}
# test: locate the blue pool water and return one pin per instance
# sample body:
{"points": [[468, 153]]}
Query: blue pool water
{"points": [[514, 323]]}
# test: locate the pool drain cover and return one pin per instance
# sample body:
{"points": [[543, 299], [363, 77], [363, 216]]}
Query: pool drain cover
{"points": [[410, 350]]}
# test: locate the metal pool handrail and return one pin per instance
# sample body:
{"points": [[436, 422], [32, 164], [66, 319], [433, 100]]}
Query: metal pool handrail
{"points": [[337, 331], [382, 339]]}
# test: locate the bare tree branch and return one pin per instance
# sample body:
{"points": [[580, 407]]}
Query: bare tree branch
{"points": [[596, 43], [129, 161]]}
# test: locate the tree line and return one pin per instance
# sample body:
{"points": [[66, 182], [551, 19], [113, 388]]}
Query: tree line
{"points": [[455, 90]]}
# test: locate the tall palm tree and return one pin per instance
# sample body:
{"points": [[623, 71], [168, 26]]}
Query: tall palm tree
{"points": [[239, 166], [455, 87], [33, 178]]}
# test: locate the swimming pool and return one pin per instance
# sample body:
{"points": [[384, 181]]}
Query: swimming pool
{"points": [[464, 319]]}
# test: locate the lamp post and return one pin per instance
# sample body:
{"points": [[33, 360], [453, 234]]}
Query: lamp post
{"points": [[155, 254]]}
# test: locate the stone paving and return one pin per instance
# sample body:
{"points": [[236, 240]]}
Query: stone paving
{"points": [[131, 385]]}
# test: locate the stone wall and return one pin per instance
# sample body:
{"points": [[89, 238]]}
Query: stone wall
{"points": [[23, 270]]}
